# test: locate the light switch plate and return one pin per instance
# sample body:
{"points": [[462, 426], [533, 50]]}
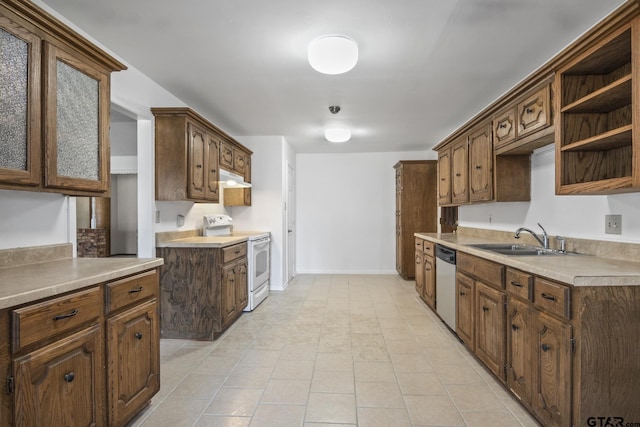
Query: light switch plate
{"points": [[613, 224]]}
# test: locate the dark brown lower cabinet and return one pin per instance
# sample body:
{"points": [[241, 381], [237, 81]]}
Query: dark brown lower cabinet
{"points": [[202, 290], [133, 360], [62, 384], [465, 311], [490, 331], [86, 358], [519, 350], [552, 371]]}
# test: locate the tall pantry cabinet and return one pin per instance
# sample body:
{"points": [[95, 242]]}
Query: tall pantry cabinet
{"points": [[416, 209]]}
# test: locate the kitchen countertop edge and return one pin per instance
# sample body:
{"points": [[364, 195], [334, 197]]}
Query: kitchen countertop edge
{"points": [[25, 284], [576, 270]]}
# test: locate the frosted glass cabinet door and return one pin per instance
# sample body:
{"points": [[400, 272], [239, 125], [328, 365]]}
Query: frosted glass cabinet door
{"points": [[19, 104], [76, 114]]}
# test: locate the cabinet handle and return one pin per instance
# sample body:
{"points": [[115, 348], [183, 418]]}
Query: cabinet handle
{"points": [[515, 327], [442, 179], [136, 290], [548, 297], [516, 284], [502, 126], [478, 167], [138, 335], [485, 309], [69, 377], [199, 166], [236, 252], [66, 316], [545, 348], [458, 174], [529, 111], [462, 293]]}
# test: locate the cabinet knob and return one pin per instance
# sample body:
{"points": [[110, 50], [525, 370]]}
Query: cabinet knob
{"points": [[138, 335], [442, 179], [199, 166], [69, 377], [529, 110], [502, 126], [545, 348], [515, 327], [485, 309], [462, 293], [458, 174], [478, 167]]}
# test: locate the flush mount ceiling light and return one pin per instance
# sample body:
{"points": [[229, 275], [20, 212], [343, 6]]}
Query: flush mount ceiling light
{"points": [[337, 134], [332, 54]]}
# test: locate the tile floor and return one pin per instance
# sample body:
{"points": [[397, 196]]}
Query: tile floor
{"points": [[330, 351]]}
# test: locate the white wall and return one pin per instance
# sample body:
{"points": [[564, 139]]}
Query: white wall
{"points": [[34, 219], [268, 194], [346, 211], [571, 216]]}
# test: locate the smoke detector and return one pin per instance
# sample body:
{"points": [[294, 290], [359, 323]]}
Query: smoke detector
{"points": [[334, 109]]}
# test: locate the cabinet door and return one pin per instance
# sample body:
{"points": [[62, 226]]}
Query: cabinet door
{"points": [[20, 105], [133, 361], [519, 350], [465, 309], [76, 117], [429, 281], [481, 165], [552, 371], [62, 384], [212, 192], [242, 286], [534, 113], [196, 164], [504, 128], [419, 274], [490, 331], [444, 177], [460, 170], [226, 156], [229, 303], [239, 160]]}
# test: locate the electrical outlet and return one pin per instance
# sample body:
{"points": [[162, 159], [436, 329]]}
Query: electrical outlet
{"points": [[613, 224], [180, 220], [157, 217]]}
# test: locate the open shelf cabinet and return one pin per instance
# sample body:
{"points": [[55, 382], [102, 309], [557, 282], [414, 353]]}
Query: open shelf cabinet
{"points": [[597, 102]]}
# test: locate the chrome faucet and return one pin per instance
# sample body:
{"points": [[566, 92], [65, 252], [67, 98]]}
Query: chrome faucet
{"points": [[544, 241]]}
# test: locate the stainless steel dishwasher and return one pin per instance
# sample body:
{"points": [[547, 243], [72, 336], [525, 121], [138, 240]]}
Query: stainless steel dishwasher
{"points": [[446, 285]]}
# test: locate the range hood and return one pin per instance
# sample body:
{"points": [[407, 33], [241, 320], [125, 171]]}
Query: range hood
{"points": [[232, 180]]}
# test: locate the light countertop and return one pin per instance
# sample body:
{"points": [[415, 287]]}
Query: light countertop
{"points": [[576, 270], [31, 282], [208, 241]]}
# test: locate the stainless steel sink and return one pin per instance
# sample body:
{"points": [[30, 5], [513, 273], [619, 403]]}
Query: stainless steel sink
{"points": [[516, 250]]}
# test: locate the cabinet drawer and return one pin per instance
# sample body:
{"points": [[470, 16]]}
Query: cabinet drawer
{"points": [[232, 252], [429, 249], [487, 271], [122, 293], [534, 112], [552, 297], [54, 317], [419, 244], [504, 128], [519, 284]]}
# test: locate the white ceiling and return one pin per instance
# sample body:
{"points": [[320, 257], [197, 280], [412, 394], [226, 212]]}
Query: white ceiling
{"points": [[425, 68]]}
